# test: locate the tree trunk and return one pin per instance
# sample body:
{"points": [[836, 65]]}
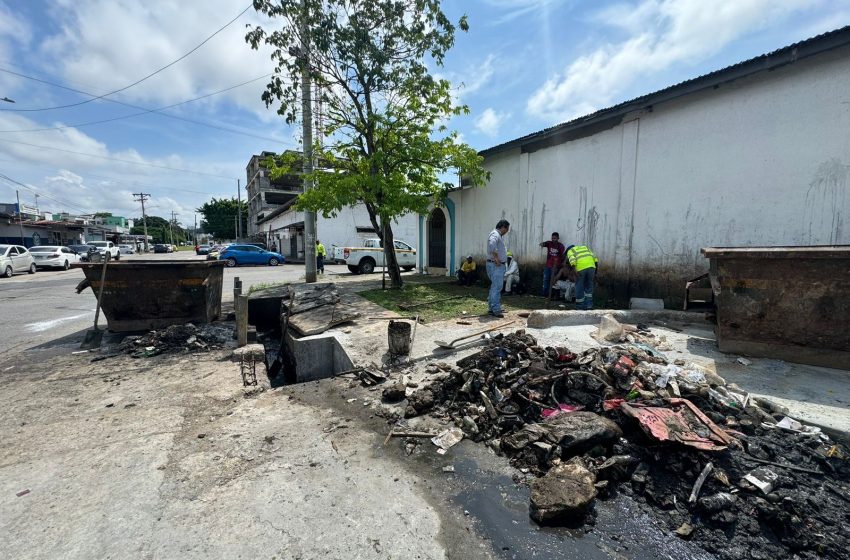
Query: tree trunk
{"points": [[385, 233], [389, 254]]}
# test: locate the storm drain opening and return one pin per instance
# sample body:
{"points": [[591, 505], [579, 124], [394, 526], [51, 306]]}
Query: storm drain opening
{"points": [[297, 360]]}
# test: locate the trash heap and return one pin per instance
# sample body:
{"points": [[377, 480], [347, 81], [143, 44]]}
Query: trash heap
{"points": [[187, 338], [712, 463]]}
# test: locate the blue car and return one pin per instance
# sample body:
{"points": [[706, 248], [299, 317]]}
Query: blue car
{"points": [[249, 254]]}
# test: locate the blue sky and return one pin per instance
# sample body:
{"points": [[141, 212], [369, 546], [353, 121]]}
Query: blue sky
{"points": [[523, 66]]}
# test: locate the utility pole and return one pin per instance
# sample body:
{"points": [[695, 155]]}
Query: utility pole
{"points": [[307, 141], [239, 209], [171, 228], [195, 230], [142, 197], [37, 211], [20, 219]]}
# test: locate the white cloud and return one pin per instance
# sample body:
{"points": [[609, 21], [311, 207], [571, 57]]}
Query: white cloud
{"points": [[661, 33], [104, 45], [490, 121]]}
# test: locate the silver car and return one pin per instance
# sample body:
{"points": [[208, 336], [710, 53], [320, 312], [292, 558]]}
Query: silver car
{"points": [[14, 258]]}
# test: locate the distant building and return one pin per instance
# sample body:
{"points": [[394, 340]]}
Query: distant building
{"points": [[265, 195], [283, 229]]}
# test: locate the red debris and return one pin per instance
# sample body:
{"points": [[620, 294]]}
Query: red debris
{"points": [[682, 422]]}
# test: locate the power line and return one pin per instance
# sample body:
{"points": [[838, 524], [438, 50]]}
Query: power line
{"points": [[145, 112], [137, 82], [32, 190], [144, 109], [118, 159], [119, 182]]}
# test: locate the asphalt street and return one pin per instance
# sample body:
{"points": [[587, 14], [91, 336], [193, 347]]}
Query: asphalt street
{"points": [[40, 308]]}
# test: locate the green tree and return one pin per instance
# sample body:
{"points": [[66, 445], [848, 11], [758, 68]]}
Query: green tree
{"points": [[219, 217], [386, 142]]}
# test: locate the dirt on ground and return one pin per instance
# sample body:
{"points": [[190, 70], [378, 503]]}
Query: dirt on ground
{"points": [[170, 457]]}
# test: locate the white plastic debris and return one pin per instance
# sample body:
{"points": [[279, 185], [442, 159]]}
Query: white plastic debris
{"points": [[744, 361], [763, 479], [448, 438], [789, 424]]}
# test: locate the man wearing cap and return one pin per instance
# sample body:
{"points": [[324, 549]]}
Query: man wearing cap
{"points": [[497, 254], [511, 274], [467, 274], [584, 262]]}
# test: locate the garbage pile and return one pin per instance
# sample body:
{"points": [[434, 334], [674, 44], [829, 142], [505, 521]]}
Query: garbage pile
{"points": [[714, 464], [187, 338]]}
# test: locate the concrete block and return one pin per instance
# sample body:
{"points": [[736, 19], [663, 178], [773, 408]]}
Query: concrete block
{"points": [[256, 351], [647, 304], [545, 318]]}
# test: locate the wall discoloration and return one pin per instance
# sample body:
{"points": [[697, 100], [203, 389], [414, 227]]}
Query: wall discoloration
{"points": [[826, 199]]}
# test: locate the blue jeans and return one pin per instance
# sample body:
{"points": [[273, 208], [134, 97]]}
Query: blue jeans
{"points": [[497, 279], [584, 288], [547, 281], [320, 263]]}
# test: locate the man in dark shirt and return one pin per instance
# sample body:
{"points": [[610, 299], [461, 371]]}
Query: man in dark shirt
{"points": [[554, 257]]}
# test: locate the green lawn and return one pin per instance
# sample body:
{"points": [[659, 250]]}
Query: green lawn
{"points": [[473, 302]]}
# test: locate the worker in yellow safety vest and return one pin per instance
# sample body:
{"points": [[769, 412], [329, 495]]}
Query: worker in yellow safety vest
{"points": [[584, 262], [321, 254]]}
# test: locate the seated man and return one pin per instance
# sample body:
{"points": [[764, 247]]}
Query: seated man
{"points": [[564, 281], [511, 274], [467, 274]]}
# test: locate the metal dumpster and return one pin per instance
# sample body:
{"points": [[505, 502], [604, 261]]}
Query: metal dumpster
{"points": [[146, 294], [790, 303]]}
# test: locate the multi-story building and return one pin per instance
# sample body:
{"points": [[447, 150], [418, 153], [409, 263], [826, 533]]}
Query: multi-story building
{"points": [[265, 194]]}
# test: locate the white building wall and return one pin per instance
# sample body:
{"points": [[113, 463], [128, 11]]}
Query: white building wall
{"points": [[340, 230], [761, 161]]}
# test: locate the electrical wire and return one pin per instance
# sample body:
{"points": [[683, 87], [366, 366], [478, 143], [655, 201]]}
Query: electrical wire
{"points": [[137, 82], [118, 159], [47, 196], [145, 112], [143, 109], [131, 185]]}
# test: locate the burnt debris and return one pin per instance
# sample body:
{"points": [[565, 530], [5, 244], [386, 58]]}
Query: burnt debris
{"points": [[709, 461]]}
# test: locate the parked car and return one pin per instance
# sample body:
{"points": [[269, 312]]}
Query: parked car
{"points": [[14, 258], [202, 249], [53, 256], [83, 251], [104, 247], [364, 259], [126, 249], [169, 247], [250, 254], [160, 248], [215, 251]]}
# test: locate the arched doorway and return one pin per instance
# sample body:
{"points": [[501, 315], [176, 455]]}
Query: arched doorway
{"points": [[437, 239]]}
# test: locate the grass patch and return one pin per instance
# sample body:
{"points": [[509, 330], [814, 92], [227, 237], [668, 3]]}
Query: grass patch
{"points": [[473, 302], [185, 248]]}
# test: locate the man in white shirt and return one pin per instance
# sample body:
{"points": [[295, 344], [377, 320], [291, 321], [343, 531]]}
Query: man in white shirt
{"points": [[511, 274], [497, 254]]}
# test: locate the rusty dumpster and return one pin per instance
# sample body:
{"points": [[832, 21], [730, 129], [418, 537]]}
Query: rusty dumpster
{"points": [[789, 303], [146, 294]]}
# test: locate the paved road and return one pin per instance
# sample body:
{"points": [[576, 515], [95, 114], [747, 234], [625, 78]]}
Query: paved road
{"points": [[36, 309]]}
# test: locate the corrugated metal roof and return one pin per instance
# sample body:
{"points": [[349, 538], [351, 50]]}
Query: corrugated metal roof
{"points": [[780, 57]]}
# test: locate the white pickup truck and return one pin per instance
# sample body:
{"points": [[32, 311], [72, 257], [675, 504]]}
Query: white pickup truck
{"points": [[364, 259], [104, 247]]}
